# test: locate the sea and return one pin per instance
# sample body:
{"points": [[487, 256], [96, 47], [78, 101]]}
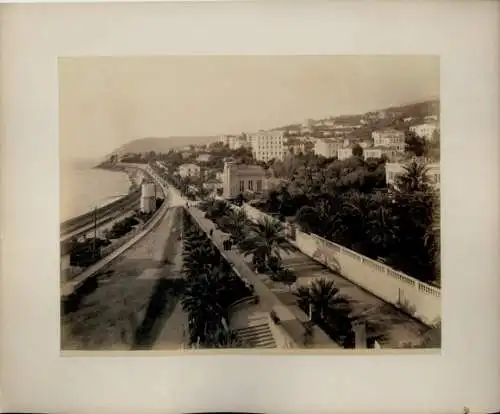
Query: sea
{"points": [[83, 187]]}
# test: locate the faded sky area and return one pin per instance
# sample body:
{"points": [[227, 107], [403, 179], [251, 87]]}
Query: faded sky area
{"points": [[108, 101]]}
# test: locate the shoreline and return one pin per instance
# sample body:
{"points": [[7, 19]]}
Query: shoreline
{"points": [[134, 185]]}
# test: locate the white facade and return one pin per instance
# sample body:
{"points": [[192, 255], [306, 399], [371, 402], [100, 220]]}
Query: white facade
{"points": [[212, 185], [268, 145], [393, 170], [326, 148], [203, 157], [389, 138], [148, 197], [372, 153], [224, 139], [424, 130], [189, 170], [344, 153], [236, 142], [238, 179]]}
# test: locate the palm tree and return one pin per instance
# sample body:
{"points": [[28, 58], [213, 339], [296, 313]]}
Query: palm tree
{"points": [[414, 178], [200, 260], [328, 308], [235, 222], [266, 238], [202, 302]]}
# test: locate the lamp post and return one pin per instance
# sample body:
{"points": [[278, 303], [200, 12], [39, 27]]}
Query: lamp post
{"points": [[96, 207]]}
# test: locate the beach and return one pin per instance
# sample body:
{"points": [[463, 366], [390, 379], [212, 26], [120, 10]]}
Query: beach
{"points": [[83, 187]]}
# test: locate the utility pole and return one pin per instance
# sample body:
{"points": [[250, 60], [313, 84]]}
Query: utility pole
{"points": [[95, 232]]}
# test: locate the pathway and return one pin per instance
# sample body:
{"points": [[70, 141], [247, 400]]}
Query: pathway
{"points": [[268, 301]]}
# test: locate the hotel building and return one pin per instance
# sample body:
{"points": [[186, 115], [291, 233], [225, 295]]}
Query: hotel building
{"points": [[241, 178]]}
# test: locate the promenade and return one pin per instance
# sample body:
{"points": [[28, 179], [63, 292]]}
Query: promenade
{"points": [[268, 301]]}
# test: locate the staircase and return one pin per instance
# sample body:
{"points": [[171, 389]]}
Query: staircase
{"points": [[256, 336]]}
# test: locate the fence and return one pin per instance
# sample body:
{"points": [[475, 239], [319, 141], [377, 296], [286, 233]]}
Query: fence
{"points": [[419, 299]]}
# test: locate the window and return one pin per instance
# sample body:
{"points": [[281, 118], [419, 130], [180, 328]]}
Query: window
{"points": [[259, 185], [242, 186], [250, 185]]}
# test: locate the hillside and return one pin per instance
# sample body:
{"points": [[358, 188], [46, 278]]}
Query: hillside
{"points": [[143, 145]]}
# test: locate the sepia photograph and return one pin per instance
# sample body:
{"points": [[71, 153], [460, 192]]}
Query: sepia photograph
{"points": [[246, 202]]}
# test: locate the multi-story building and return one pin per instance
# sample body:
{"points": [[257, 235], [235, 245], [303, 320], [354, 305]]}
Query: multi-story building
{"points": [[268, 145], [425, 130], [237, 141], [224, 139], [395, 169], [298, 147], [241, 178], [189, 170], [391, 154], [389, 138], [326, 147]]}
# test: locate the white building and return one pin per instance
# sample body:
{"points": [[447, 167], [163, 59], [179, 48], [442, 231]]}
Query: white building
{"points": [[148, 197], [393, 170], [224, 139], [203, 157], [212, 184], [236, 142], [391, 154], [389, 138], [238, 179], [268, 145], [344, 153], [326, 147], [189, 170], [425, 130]]}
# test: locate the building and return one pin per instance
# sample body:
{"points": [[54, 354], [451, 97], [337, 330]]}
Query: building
{"points": [[327, 148], [148, 197], [224, 139], [389, 138], [189, 170], [393, 170], [344, 153], [241, 178], [430, 118], [391, 154], [268, 145], [374, 152], [425, 130], [212, 184], [203, 158], [236, 142]]}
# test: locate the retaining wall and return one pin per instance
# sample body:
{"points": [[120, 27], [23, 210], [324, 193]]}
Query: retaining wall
{"points": [[418, 299]]}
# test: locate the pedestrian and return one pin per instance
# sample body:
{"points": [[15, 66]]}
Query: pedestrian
{"points": [[211, 232]]}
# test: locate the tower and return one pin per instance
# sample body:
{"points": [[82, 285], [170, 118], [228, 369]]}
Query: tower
{"points": [[148, 199]]}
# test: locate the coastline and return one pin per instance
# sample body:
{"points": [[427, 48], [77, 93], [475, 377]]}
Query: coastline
{"points": [[130, 172]]}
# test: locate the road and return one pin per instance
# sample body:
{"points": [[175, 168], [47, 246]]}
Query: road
{"points": [[108, 317]]}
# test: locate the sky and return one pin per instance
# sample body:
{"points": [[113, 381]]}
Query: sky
{"points": [[107, 101]]}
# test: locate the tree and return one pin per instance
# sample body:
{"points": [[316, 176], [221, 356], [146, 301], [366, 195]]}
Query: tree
{"points": [[265, 239], [415, 144], [357, 151], [414, 178], [235, 223], [328, 308]]}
